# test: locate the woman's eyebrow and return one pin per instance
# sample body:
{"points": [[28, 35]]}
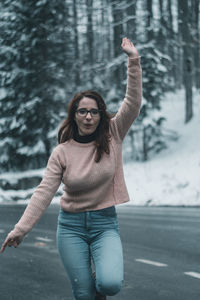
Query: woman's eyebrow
{"points": [[88, 108]]}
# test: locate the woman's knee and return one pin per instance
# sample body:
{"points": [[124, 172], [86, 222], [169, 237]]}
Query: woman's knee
{"points": [[109, 287]]}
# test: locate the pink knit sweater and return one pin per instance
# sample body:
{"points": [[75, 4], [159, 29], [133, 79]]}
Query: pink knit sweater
{"points": [[88, 185]]}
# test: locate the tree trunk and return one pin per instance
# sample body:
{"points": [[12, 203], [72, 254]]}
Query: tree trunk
{"points": [[131, 23], [90, 38], [187, 57], [161, 37], [76, 47], [117, 36], [171, 41], [172, 49], [149, 25], [196, 43], [179, 53]]}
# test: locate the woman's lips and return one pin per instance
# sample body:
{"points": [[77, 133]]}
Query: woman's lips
{"points": [[88, 125]]}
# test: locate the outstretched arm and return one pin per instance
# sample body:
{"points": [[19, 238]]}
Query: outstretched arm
{"points": [[130, 107], [39, 201]]}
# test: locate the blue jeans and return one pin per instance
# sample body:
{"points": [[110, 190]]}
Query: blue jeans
{"points": [[91, 236]]}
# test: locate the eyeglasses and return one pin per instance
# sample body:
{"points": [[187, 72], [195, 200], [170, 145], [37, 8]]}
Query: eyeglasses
{"points": [[82, 112]]}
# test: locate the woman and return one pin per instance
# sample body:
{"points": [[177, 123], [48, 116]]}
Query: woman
{"points": [[88, 160]]}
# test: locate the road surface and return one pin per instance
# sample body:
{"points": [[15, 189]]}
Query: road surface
{"points": [[161, 256]]}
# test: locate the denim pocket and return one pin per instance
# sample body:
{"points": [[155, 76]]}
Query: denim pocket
{"points": [[67, 218]]}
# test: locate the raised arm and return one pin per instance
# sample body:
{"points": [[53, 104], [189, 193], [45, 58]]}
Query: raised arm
{"points": [[39, 201], [130, 107]]}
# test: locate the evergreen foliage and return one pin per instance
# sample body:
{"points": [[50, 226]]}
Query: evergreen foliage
{"points": [[36, 55]]}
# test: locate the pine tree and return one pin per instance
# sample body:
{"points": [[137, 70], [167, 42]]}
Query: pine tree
{"points": [[37, 69], [154, 84]]}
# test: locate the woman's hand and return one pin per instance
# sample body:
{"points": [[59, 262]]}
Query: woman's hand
{"points": [[129, 48], [12, 240]]}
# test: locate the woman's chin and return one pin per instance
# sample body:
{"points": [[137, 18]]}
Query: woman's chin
{"points": [[87, 131]]}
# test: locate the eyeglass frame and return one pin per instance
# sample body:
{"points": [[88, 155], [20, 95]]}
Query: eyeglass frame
{"points": [[89, 111]]}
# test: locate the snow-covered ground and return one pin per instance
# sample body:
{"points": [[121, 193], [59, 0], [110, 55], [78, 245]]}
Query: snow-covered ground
{"points": [[171, 177]]}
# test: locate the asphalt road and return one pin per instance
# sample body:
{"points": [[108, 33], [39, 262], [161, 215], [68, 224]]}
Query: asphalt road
{"points": [[161, 256]]}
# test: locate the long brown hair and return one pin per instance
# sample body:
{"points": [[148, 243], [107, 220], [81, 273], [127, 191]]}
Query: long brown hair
{"points": [[68, 127]]}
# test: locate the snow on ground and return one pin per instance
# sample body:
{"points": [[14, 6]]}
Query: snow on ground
{"points": [[172, 177]]}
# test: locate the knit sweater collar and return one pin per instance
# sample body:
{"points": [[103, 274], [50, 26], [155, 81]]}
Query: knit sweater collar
{"points": [[84, 138]]}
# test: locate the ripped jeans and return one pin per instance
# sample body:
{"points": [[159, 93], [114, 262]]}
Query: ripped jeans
{"points": [[91, 236]]}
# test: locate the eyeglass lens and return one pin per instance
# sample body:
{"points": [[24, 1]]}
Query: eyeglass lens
{"points": [[84, 112]]}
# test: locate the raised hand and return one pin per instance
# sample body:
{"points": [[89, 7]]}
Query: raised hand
{"points": [[129, 48]]}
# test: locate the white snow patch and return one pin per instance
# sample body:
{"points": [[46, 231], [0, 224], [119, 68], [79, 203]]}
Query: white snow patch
{"points": [[18, 175], [173, 176], [38, 148]]}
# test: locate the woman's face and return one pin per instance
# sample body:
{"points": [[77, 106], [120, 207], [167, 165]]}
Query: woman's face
{"points": [[88, 123]]}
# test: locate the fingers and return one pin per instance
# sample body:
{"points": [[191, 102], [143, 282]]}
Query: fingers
{"points": [[3, 246], [15, 244], [129, 48], [126, 42], [9, 242], [2, 249]]}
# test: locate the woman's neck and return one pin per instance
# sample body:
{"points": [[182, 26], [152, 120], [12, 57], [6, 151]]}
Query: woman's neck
{"points": [[84, 138]]}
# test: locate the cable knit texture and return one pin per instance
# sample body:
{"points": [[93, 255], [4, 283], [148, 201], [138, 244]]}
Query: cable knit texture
{"points": [[88, 185]]}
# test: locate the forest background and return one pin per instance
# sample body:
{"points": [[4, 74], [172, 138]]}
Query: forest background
{"points": [[49, 50]]}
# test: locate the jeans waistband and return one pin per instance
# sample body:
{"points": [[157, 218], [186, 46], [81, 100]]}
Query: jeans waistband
{"points": [[89, 219]]}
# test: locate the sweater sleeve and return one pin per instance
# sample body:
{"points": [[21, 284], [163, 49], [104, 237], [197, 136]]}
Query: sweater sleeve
{"points": [[42, 196], [130, 107]]}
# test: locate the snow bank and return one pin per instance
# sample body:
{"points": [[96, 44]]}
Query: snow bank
{"points": [[173, 176]]}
